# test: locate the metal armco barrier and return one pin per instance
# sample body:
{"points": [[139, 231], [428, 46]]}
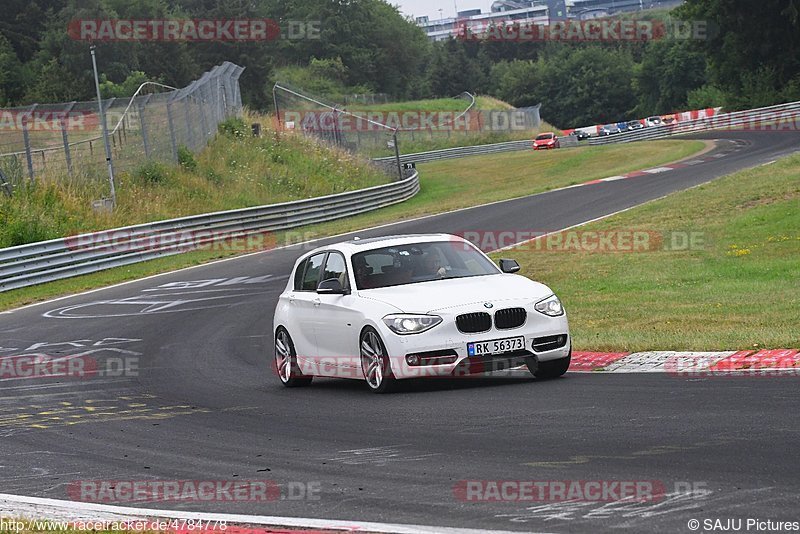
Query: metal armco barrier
{"points": [[459, 152], [762, 118], [768, 118], [36, 263]]}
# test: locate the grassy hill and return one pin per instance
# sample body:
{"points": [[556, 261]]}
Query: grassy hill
{"points": [[234, 171]]}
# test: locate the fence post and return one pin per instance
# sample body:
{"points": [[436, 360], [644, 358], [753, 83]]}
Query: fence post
{"points": [[172, 130], [27, 139], [189, 131], [65, 137], [143, 125], [203, 121], [277, 108], [224, 101], [397, 156]]}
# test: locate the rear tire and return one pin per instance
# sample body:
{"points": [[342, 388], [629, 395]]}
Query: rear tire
{"points": [[375, 362], [551, 369], [286, 361]]}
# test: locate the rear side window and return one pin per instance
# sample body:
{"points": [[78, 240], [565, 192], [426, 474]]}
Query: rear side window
{"points": [[311, 274], [298, 275]]}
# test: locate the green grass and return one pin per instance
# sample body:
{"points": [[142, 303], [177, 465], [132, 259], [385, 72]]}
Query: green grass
{"points": [[445, 186], [413, 142], [458, 183], [435, 104], [374, 143], [232, 172], [739, 288]]}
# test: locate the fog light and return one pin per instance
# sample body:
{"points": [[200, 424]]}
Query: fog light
{"points": [[412, 359]]}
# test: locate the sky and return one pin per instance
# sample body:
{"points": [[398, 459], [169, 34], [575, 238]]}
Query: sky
{"points": [[419, 8]]}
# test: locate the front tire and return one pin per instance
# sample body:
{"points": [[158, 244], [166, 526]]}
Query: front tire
{"points": [[552, 368], [286, 361], [375, 362]]}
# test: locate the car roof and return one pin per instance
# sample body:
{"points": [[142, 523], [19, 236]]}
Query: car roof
{"points": [[352, 246]]}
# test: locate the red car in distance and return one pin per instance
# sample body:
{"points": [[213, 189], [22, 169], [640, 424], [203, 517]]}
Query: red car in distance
{"points": [[545, 141]]}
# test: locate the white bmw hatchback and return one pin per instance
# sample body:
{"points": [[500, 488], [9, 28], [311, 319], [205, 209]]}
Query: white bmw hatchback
{"points": [[399, 307]]}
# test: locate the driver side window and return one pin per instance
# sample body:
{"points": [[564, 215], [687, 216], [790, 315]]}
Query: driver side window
{"points": [[335, 268]]}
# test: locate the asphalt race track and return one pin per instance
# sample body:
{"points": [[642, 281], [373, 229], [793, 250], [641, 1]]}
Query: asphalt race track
{"points": [[206, 405]]}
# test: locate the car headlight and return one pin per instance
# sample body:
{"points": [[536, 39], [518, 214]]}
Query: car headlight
{"points": [[550, 306], [404, 323]]}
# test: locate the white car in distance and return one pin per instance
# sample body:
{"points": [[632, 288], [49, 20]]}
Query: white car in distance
{"points": [[392, 308]]}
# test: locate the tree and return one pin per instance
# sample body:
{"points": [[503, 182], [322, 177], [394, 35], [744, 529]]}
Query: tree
{"points": [[577, 87], [669, 70], [752, 46]]}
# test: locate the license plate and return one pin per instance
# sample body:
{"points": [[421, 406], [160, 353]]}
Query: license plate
{"points": [[495, 346]]}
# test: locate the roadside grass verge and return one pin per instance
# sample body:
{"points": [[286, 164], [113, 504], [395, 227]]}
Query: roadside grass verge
{"points": [[236, 170], [413, 142], [445, 186], [458, 183], [436, 104], [739, 288], [374, 143]]}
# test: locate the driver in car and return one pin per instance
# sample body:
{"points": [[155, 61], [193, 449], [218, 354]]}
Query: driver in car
{"points": [[433, 265]]}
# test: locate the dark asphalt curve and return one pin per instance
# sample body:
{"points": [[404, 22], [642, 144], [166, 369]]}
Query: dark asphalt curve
{"points": [[201, 402]]}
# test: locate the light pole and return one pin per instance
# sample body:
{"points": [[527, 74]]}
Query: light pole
{"points": [[105, 130]]}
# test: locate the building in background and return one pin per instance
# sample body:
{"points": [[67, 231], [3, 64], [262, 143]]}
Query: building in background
{"points": [[532, 12]]}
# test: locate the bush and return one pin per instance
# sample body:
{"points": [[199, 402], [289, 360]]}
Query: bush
{"points": [[186, 158], [152, 172], [707, 96], [27, 229], [233, 127]]}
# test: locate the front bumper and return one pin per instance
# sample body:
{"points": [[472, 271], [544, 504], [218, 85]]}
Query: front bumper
{"points": [[442, 350]]}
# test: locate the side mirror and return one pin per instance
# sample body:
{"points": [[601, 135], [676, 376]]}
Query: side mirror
{"points": [[509, 266], [331, 286]]}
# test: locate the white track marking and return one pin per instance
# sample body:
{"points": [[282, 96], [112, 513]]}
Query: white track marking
{"points": [[664, 361], [54, 509], [657, 170]]}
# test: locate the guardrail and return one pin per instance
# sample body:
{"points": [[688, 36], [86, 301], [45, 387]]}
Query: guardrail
{"points": [[766, 118], [458, 152], [45, 261], [760, 117]]}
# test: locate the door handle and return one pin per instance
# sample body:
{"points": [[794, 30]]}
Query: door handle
{"points": [[316, 301], [292, 298]]}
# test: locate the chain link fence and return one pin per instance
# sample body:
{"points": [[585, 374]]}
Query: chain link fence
{"points": [[381, 130], [66, 139]]}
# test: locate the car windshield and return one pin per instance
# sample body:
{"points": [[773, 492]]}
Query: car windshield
{"points": [[544, 137], [419, 262]]}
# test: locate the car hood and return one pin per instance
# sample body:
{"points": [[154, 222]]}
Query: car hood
{"points": [[436, 295]]}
